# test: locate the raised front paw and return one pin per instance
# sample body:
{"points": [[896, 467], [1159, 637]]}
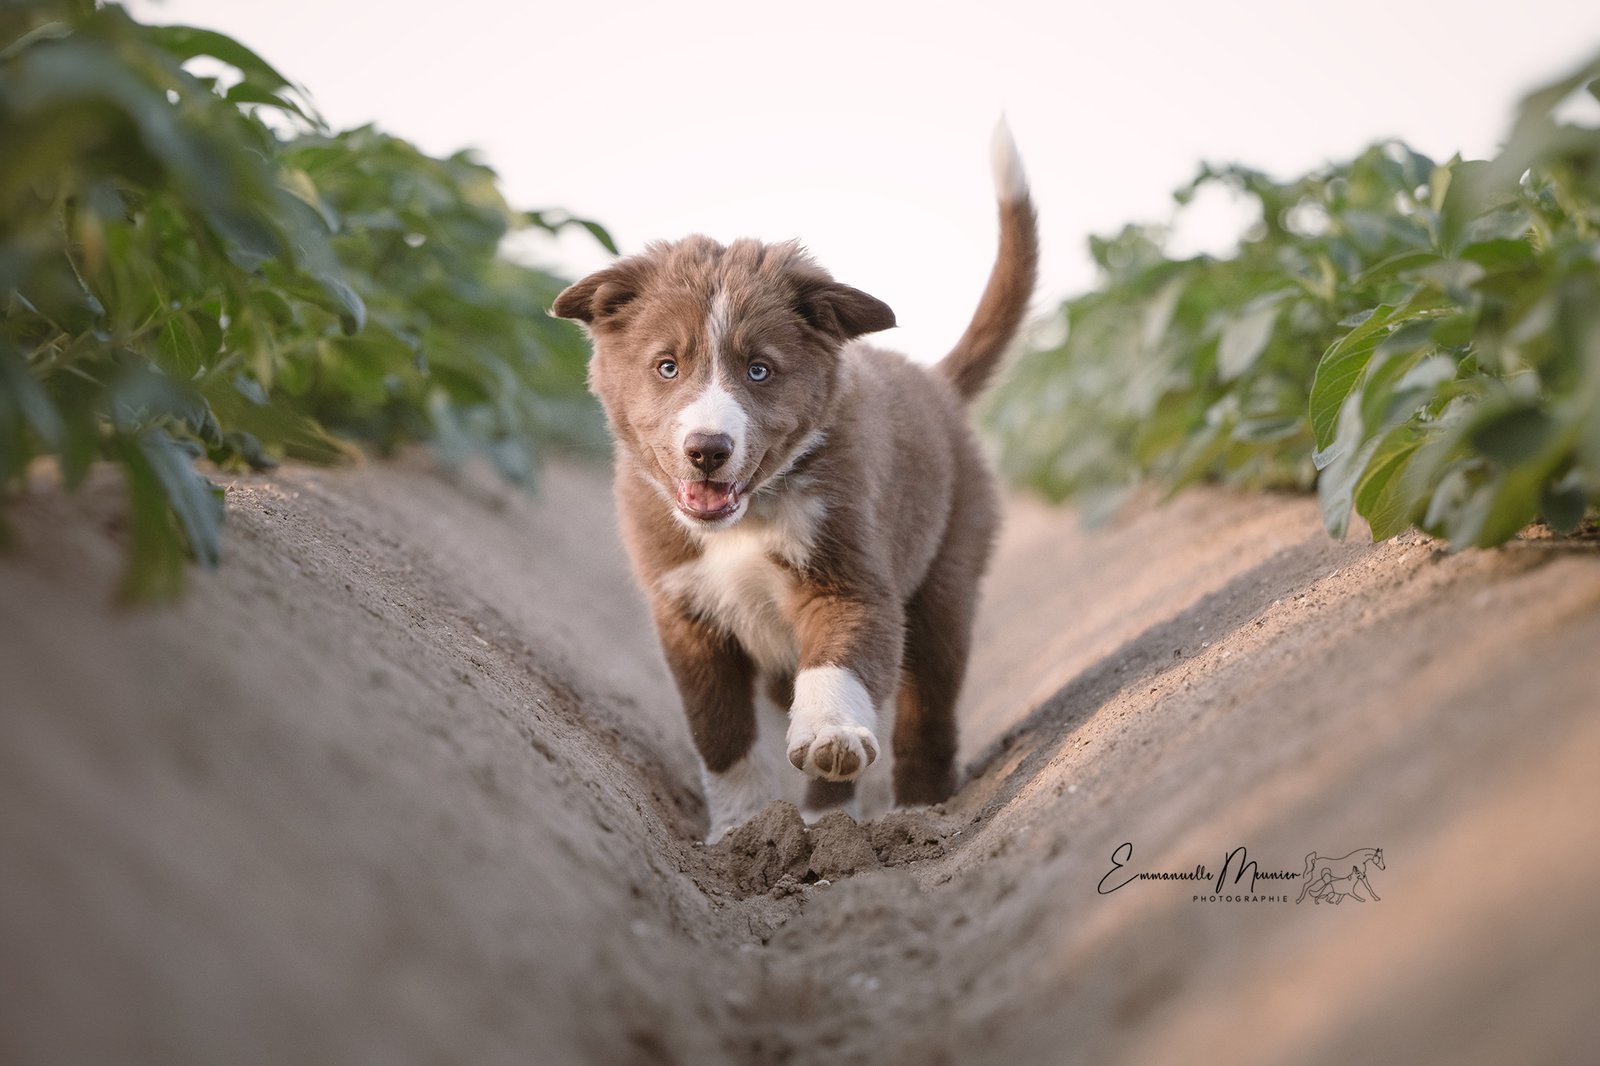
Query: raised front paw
{"points": [[834, 753], [831, 723]]}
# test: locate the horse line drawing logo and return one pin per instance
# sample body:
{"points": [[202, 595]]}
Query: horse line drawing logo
{"points": [[1336, 880]]}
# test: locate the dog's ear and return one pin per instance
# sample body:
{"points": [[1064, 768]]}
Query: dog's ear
{"points": [[840, 311], [598, 296]]}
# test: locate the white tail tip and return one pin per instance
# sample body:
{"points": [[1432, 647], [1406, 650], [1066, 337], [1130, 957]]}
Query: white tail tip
{"points": [[1010, 181]]}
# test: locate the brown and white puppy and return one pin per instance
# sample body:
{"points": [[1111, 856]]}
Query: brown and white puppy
{"points": [[808, 515]]}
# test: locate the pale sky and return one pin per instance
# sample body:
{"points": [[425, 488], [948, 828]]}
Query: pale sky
{"points": [[862, 128]]}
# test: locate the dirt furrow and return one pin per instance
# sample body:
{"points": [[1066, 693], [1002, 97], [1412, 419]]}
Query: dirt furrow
{"points": [[404, 781]]}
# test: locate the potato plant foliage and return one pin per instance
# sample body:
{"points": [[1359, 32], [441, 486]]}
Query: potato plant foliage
{"points": [[193, 264], [1419, 341]]}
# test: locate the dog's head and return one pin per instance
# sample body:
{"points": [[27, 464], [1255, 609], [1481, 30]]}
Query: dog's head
{"points": [[717, 366]]}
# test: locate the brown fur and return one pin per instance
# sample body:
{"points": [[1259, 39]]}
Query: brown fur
{"points": [[866, 543], [1005, 301]]}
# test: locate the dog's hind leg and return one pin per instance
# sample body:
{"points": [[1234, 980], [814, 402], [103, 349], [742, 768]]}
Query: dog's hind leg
{"points": [[938, 640]]}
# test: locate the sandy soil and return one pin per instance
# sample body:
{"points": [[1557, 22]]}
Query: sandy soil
{"points": [[404, 782]]}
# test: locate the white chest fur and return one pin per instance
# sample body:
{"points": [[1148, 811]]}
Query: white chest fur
{"points": [[737, 585]]}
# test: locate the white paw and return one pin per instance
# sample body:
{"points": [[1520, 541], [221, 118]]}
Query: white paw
{"points": [[837, 753], [830, 725]]}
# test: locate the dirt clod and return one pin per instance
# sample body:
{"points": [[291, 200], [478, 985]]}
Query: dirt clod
{"points": [[839, 848], [906, 836], [776, 853], [767, 848]]}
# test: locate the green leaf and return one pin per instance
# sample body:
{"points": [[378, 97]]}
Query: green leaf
{"points": [[1338, 372], [1564, 503], [1499, 256], [1454, 277], [141, 395], [186, 42], [174, 512], [251, 390], [195, 501], [556, 221], [1345, 361], [23, 405], [1380, 494], [1268, 429], [1156, 315], [247, 92], [1382, 399], [1393, 267], [181, 346], [155, 555], [1336, 482], [332, 294], [1513, 502], [1512, 432], [1503, 223], [1244, 338], [271, 303]]}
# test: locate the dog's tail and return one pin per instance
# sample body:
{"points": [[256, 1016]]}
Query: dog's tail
{"points": [[1005, 298]]}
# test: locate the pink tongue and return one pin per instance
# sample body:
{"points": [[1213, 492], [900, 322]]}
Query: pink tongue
{"points": [[707, 497]]}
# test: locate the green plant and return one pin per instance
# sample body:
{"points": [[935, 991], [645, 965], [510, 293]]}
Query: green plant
{"points": [[195, 265], [1419, 341]]}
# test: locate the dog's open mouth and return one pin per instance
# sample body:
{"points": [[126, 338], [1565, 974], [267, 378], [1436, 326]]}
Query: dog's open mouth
{"points": [[709, 500]]}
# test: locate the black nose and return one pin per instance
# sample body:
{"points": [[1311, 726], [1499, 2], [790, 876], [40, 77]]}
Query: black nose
{"points": [[707, 451]]}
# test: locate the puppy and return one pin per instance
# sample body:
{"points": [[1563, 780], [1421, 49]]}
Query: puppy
{"points": [[808, 515]]}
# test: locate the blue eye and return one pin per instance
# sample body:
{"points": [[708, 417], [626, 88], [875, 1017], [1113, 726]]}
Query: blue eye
{"points": [[667, 369], [759, 371]]}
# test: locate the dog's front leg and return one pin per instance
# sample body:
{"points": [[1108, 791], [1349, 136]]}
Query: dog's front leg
{"points": [[850, 647], [716, 681]]}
